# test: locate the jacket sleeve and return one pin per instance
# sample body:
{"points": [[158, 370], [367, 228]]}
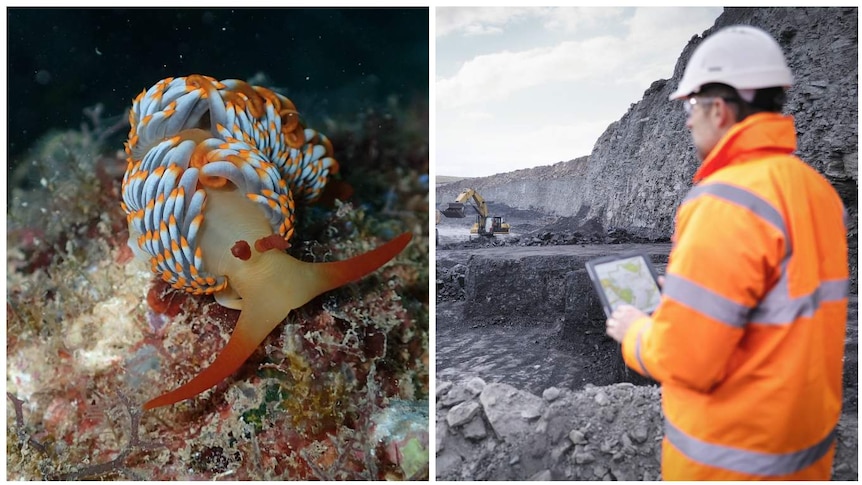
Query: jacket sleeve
{"points": [[724, 259]]}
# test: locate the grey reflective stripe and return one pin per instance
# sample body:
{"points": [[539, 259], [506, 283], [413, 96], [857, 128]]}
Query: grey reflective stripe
{"points": [[834, 290], [638, 349], [706, 301], [778, 308], [744, 198], [743, 461]]}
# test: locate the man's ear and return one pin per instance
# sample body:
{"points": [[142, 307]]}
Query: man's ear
{"points": [[725, 116]]}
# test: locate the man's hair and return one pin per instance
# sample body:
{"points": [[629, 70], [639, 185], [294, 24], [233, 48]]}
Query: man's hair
{"points": [[765, 99]]}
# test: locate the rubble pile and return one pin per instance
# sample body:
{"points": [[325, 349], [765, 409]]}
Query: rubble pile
{"points": [[497, 432], [491, 431]]}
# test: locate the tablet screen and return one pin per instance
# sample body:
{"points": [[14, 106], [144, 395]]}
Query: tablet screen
{"points": [[627, 280]]}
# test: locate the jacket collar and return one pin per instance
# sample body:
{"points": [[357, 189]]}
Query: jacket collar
{"points": [[754, 137]]}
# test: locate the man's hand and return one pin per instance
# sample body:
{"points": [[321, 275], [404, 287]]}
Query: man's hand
{"points": [[620, 321]]}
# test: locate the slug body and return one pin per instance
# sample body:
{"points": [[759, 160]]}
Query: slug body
{"points": [[213, 171]]}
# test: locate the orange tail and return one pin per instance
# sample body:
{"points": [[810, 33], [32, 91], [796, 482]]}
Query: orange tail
{"points": [[268, 294], [249, 333], [338, 273]]}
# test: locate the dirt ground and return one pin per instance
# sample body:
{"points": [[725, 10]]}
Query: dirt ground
{"points": [[529, 358], [585, 432], [519, 403]]}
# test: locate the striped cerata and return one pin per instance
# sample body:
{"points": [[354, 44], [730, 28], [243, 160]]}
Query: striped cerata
{"points": [[194, 131]]}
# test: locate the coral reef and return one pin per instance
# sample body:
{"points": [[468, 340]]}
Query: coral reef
{"points": [[338, 391]]}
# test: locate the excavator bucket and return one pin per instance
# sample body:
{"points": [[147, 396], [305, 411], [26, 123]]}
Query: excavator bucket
{"points": [[455, 209]]}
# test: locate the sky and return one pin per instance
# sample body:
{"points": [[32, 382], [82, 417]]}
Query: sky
{"points": [[524, 87]]}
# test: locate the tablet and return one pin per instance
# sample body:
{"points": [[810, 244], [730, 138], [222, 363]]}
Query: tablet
{"points": [[625, 279]]}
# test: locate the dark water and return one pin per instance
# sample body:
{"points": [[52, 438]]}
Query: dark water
{"points": [[327, 60]]}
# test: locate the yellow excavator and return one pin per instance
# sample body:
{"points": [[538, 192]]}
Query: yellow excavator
{"points": [[486, 224]]}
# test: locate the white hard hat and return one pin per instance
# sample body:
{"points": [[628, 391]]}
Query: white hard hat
{"points": [[741, 56]]}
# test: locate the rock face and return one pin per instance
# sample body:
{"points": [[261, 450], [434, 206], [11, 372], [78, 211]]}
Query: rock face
{"points": [[539, 285], [641, 167]]}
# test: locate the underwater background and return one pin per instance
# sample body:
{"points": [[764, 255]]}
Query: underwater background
{"points": [[327, 60]]}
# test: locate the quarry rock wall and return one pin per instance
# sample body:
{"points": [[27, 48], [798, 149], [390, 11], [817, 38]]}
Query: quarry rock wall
{"points": [[641, 166]]}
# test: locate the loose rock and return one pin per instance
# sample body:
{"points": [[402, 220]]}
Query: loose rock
{"points": [[640, 433], [442, 388], [550, 394], [463, 392], [626, 441], [577, 437], [505, 408], [462, 413], [440, 436], [542, 476], [475, 430], [620, 475], [600, 471], [583, 458], [561, 450], [602, 398]]}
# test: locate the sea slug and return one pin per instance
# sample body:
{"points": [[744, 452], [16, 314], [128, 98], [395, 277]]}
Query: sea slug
{"points": [[214, 171]]}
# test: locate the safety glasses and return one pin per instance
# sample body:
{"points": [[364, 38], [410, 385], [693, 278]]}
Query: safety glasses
{"points": [[688, 104]]}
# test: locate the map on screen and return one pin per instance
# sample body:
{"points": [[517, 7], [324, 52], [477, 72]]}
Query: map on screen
{"points": [[628, 280]]}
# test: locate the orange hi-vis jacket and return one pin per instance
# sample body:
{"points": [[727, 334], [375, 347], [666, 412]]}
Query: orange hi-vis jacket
{"points": [[748, 340]]}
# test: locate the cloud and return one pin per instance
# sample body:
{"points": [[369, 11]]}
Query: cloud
{"points": [[476, 30], [484, 20], [574, 19], [575, 139], [647, 52], [499, 149], [667, 26], [476, 115], [658, 36], [494, 77], [477, 20]]}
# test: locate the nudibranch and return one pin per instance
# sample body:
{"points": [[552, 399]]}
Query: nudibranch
{"points": [[215, 169]]}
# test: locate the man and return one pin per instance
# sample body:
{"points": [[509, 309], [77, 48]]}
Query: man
{"points": [[748, 340]]}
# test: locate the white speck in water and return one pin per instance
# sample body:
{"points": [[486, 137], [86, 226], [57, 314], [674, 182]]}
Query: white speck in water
{"points": [[98, 52], [43, 182], [43, 77]]}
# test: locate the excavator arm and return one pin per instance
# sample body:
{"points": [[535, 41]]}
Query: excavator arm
{"points": [[485, 224], [456, 209]]}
